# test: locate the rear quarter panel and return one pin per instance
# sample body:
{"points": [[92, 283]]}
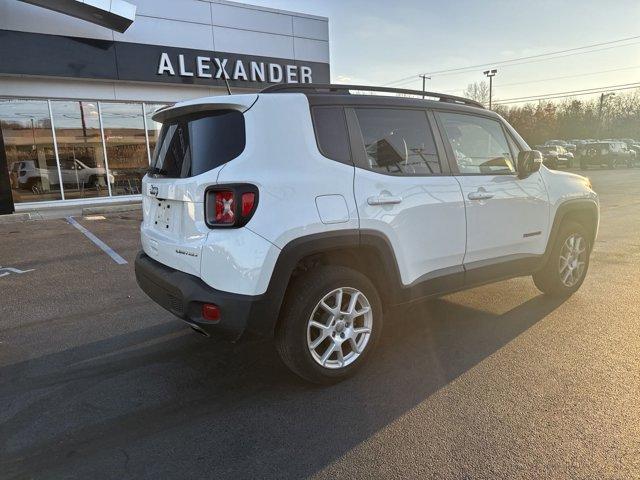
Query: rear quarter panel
{"points": [[282, 159]]}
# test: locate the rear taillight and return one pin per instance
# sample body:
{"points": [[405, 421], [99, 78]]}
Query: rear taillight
{"points": [[230, 205], [224, 207]]}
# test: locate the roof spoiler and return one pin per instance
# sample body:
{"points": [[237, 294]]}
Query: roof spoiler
{"points": [[241, 103]]}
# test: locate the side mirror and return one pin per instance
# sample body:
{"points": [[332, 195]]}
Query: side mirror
{"points": [[529, 162]]}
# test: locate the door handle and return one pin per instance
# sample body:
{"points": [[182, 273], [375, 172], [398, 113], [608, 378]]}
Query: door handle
{"points": [[480, 195], [384, 200]]}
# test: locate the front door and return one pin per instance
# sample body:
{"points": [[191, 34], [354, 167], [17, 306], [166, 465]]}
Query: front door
{"points": [[403, 190], [507, 217]]}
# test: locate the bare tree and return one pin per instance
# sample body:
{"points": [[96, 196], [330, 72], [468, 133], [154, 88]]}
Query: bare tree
{"points": [[478, 91], [576, 118]]}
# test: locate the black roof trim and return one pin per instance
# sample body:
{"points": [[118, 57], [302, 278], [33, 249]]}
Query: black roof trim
{"points": [[315, 88]]}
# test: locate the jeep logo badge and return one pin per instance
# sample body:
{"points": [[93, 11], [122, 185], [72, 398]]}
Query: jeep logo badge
{"points": [[153, 190]]}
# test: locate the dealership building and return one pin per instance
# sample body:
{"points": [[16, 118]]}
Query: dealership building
{"points": [[81, 79]]}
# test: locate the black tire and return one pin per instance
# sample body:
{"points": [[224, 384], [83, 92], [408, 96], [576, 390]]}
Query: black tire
{"points": [[549, 278], [303, 295]]}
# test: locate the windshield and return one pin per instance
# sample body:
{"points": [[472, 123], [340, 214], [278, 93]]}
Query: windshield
{"points": [[194, 144]]}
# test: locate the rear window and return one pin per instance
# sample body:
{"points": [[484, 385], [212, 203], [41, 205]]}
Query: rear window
{"points": [[195, 144]]}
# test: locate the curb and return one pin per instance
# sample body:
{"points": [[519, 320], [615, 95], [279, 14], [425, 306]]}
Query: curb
{"points": [[15, 218], [112, 209]]}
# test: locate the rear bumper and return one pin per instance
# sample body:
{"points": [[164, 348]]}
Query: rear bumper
{"points": [[183, 295]]}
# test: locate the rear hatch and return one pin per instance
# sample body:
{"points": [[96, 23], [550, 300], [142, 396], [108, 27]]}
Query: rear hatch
{"points": [[196, 140]]}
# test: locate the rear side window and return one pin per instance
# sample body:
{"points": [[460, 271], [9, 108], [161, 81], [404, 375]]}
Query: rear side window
{"points": [[331, 133], [398, 142], [195, 144]]}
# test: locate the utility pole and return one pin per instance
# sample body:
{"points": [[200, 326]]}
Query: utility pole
{"points": [[490, 74], [424, 78], [603, 97]]}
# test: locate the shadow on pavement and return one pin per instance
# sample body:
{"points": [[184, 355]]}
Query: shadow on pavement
{"points": [[163, 402]]}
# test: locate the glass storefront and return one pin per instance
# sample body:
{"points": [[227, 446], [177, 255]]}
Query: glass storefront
{"points": [[73, 149], [82, 163], [29, 148], [125, 138]]}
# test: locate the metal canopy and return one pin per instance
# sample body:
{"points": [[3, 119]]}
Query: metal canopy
{"points": [[116, 15]]}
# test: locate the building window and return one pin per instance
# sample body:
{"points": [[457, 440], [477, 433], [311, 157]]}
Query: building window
{"points": [[28, 139], [82, 164], [126, 146]]}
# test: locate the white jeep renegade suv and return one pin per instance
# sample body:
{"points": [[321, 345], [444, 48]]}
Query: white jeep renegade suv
{"points": [[301, 211]]}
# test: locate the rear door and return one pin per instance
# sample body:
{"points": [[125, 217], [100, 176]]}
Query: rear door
{"points": [[191, 150], [403, 189], [507, 217]]}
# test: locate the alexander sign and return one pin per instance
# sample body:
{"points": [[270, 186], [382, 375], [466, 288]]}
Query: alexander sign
{"points": [[202, 66], [27, 53]]}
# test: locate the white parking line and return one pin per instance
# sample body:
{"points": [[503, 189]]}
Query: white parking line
{"points": [[105, 248]]}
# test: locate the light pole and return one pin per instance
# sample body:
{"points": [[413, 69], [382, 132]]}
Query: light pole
{"points": [[490, 74], [424, 78]]}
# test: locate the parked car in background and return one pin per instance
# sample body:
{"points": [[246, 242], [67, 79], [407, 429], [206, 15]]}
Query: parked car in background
{"points": [[633, 145], [73, 173], [571, 147], [555, 156], [610, 154]]}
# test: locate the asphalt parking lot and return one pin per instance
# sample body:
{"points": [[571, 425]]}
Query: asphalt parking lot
{"points": [[96, 381]]}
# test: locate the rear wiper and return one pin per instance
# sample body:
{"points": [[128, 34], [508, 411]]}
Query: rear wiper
{"points": [[157, 171]]}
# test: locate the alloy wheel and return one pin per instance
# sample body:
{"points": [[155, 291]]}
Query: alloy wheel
{"points": [[339, 328], [572, 260]]}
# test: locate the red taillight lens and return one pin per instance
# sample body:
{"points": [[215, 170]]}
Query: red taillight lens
{"points": [[231, 205], [225, 208], [210, 312], [248, 200]]}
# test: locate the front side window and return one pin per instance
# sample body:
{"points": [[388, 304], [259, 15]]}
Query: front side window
{"points": [[194, 144], [398, 142], [479, 144]]}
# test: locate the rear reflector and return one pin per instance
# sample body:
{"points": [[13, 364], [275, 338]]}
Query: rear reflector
{"points": [[210, 312], [248, 200]]}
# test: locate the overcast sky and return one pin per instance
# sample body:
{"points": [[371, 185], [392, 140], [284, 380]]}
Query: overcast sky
{"points": [[377, 41]]}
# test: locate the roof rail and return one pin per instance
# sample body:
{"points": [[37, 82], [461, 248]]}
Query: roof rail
{"points": [[345, 90]]}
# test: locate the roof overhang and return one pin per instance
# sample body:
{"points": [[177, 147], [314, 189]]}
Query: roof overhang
{"points": [[116, 15]]}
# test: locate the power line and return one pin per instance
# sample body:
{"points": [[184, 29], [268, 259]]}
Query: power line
{"points": [[569, 76], [401, 80], [571, 93], [547, 59], [538, 56], [453, 90]]}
